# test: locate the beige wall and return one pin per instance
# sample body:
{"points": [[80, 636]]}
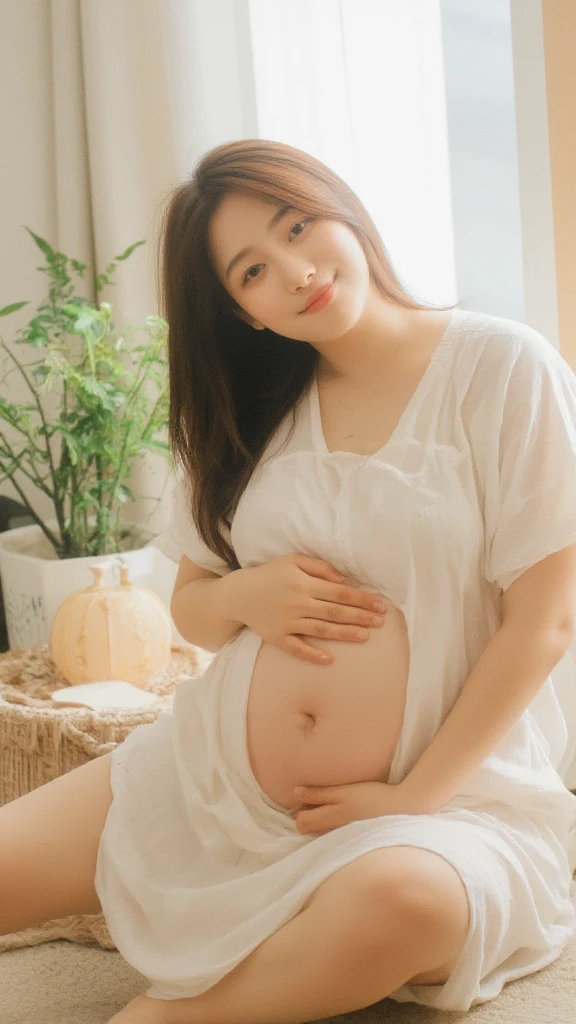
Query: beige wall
{"points": [[559, 19]]}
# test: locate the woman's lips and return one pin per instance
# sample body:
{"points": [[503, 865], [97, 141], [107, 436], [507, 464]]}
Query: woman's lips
{"points": [[322, 300]]}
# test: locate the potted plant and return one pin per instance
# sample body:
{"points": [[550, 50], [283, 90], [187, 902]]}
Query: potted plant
{"points": [[108, 397]]}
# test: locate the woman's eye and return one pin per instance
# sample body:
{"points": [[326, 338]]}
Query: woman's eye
{"points": [[303, 221], [246, 277], [250, 277]]}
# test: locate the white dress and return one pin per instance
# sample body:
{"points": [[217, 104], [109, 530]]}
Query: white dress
{"points": [[196, 865]]}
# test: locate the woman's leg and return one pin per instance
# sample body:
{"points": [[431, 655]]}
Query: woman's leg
{"points": [[49, 842], [387, 918]]}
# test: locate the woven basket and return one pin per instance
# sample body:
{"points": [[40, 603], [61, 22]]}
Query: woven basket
{"points": [[41, 740]]}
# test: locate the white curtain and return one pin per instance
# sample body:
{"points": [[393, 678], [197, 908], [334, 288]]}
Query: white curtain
{"points": [[107, 104]]}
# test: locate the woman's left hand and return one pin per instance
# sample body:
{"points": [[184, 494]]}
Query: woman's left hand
{"points": [[324, 808]]}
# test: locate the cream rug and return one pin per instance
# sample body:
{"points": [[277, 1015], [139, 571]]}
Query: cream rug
{"points": [[63, 982]]}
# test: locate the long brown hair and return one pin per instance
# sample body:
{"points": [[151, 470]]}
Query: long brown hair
{"points": [[230, 384]]}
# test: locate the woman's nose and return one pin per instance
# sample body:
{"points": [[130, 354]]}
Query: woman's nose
{"points": [[298, 274]]}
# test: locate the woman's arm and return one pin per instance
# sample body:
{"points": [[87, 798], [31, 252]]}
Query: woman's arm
{"points": [[277, 600], [539, 625], [206, 612]]}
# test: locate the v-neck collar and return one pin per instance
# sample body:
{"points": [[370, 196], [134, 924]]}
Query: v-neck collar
{"points": [[318, 438]]}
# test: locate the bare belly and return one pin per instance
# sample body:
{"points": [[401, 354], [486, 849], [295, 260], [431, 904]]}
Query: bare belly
{"points": [[327, 725]]}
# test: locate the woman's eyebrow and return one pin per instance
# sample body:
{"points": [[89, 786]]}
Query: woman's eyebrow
{"points": [[244, 252]]}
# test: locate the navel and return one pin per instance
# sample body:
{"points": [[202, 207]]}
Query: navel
{"points": [[306, 721]]}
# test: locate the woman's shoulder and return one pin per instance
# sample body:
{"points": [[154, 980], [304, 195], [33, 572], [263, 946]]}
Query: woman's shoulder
{"points": [[500, 334], [496, 346], [507, 371]]}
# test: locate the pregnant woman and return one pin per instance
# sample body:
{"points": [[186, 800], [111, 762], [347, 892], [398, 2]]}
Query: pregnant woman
{"points": [[326, 819]]}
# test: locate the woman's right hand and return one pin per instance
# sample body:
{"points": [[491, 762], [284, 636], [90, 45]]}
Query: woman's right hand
{"points": [[295, 596]]}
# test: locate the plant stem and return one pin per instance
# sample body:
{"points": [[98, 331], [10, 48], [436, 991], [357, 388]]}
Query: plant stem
{"points": [[127, 418], [55, 497], [35, 517], [152, 414], [36, 478]]}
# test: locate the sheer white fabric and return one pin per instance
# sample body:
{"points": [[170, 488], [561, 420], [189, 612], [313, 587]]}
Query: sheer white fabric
{"points": [[478, 482]]}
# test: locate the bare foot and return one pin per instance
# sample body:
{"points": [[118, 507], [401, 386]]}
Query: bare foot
{"points": [[143, 1010]]}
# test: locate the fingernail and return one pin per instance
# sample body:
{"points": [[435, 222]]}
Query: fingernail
{"points": [[379, 606]]}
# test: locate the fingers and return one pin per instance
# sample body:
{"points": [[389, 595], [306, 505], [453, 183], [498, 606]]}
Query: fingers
{"points": [[297, 646], [324, 630], [340, 613], [356, 598], [317, 567]]}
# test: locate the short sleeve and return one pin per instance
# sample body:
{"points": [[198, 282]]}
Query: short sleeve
{"points": [[530, 500], [180, 536]]}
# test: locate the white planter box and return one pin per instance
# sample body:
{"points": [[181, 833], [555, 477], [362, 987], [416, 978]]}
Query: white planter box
{"points": [[35, 582]]}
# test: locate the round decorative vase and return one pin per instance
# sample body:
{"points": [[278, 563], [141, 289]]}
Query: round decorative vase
{"points": [[104, 632]]}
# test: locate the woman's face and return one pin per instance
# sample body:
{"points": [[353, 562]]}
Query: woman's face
{"points": [[290, 256]]}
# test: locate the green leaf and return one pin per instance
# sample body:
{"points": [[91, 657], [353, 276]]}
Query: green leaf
{"points": [[37, 337], [40, 373], [72, 308], [70, 442], [42, 244], [97, 389], [90, 323], [128, 252], [13, 308]]}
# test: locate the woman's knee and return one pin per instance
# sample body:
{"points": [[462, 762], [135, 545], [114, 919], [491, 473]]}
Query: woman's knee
{"points": [[396, 890], [49, 842]]}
